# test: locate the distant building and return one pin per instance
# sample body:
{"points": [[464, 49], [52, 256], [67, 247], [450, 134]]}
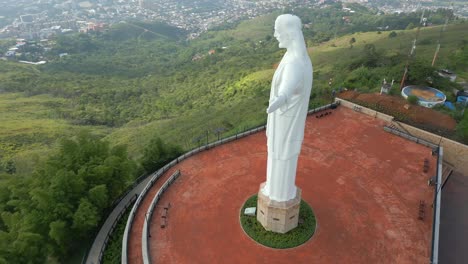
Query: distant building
{"points": [[27, 18], [90, 26]]}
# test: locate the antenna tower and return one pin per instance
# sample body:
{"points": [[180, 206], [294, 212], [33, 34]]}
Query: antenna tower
{"points": [[413, 48], [442, 30]]}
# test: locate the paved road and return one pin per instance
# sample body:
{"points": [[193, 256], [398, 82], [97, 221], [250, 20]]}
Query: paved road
{"points": [[454, 221], [134, 253], [93, 256]]}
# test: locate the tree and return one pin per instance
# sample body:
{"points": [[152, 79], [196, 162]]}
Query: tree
{"points": [[50, 213], [420, 72], [352, 41], [10, 167], [30, 247], [98, 196], [392, 34], [157, 154], [410, 26], [86, 216], [371, 57], [61, 235]]}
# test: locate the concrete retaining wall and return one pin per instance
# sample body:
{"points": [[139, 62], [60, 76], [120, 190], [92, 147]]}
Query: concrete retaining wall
{"points": [[454, 153], [365, 110]]}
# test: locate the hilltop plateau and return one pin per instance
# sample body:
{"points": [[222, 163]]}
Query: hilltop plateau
{"points": [[141, 87]]}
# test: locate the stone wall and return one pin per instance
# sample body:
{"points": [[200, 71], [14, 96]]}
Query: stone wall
{"points": [[454, 153], [365, 110]]}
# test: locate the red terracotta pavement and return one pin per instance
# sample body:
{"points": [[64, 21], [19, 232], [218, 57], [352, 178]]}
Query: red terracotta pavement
{"points": [[134, 241], [363, 184]]}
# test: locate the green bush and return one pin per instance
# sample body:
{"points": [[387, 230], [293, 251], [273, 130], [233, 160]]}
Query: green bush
{"points": [[298, 236], [412, 99], [462, 129]]}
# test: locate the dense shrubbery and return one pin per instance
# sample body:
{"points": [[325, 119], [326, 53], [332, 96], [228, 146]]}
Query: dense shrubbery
{"points": [[412, 99], [157, 154], [53, 212]]}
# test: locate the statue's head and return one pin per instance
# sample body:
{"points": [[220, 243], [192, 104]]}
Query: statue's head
{"points": [[288, 29]]}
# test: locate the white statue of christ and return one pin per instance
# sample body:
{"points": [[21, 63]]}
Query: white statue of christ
{"points": [[287, 111]]}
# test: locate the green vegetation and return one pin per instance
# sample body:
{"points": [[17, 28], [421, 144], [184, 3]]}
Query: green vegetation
{"points": [[60, 206], [298, 236], [157, 154], [462, 128], [113, 252], [412, 99], [139, 82]]}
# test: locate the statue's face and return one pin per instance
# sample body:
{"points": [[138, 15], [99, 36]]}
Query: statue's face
{"points": [[282, 36]]}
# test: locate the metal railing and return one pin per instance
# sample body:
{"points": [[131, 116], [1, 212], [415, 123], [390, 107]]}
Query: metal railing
{"points": [[103, 221], [148, 186], [437, 189], [114, 224], [146, 226], [402, 134], [437, 203]]}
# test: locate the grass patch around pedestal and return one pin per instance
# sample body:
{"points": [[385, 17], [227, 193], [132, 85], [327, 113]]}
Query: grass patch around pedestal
{"points": [[298, 236]]}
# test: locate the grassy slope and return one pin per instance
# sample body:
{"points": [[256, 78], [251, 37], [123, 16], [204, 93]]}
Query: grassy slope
{"points": [[326, 57], [29, 126]]}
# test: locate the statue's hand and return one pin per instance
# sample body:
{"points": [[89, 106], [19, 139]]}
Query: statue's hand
{"points": [[275, 104]]}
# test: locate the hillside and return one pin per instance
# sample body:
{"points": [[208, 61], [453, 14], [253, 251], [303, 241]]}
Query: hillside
{"points": [[130, 98], [138, 82]]}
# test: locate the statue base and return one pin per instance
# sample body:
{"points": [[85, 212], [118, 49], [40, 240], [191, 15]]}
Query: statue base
{"points": [[279, 217]]}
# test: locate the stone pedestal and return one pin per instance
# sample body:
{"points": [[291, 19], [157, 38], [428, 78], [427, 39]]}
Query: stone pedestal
{"points": [[279, 217]]}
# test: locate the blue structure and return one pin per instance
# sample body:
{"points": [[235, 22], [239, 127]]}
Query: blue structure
{"points": [[462, 99], [449, 105], [427, 96]]}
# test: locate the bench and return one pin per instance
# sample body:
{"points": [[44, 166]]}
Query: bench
{"points": [[323, 114], [426, 165], [421, 212], [164, 215]]}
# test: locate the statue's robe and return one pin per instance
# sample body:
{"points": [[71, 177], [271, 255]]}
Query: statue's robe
{"points": [[285, 129]]}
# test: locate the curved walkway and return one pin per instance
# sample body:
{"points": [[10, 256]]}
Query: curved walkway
{"points": [[100, 239], [364, 185], [134, 244]]}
